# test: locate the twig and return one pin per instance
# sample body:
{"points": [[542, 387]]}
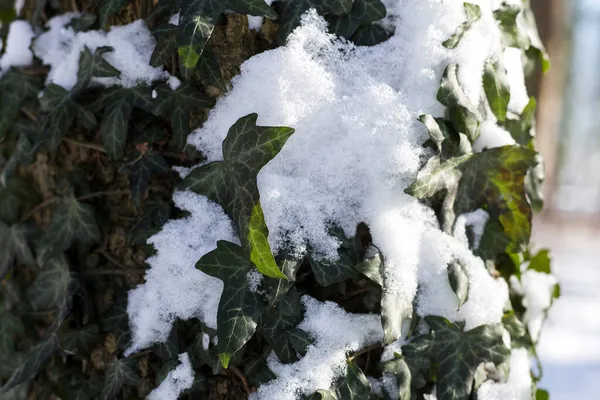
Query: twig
{"points": [[113, 260], [74, 5], [86, 145], [364, 350], [37, 208], [240, 375], [28, 114]]}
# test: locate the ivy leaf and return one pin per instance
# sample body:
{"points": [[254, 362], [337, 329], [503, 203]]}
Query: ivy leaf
{"points": [[459, 281], [533, 184], [232, 184], [517, 330], [512, 34], [50, 288], [166, 45], [114, 127], [211, 70], [10, 328], [14, 242], [397, 370], [335, 7], [372, 265], [354, 385], [541, 394], [493, 180], [196, 23], [94, 65], [118, 373], [15, 88], [497, 89], [473, 13], [463, 114], [417, 357], [254, 7], [156, 214], [370, 35], [299, 339], [277, 288], [72, 221], [142, 170], [82, 23], [239, 307], [522, 128], [323, 395], [448, 142], [25, 150], [540, 262], [81, 340], [328, 272], [459, 354], [108, 8], [14, 196]]}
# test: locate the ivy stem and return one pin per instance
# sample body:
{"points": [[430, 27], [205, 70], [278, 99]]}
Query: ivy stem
{"points": [[365, 350], [240, 375], [86, 145]]}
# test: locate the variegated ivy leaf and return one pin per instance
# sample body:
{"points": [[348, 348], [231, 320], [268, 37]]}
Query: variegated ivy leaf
{"points": [[497, 89], [198, 18], [177, 104], [72, 221], [141, 171], [460, 352], [363, 13], [493, 180], [15, 88], [473, 14], [232, 184], [118, 373], [14, 242], [354, 385], [444, 138], [462, 112], [239, 307]]}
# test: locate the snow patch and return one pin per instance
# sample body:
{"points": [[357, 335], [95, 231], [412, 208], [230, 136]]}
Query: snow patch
{"points": [[178, 380], [17, 53], [518, 385]]}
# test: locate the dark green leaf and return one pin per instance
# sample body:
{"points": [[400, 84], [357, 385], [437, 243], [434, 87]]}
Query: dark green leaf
{"points": [[81, 340], [82, 23], [141, 171], [15, 88], [156, 214], [459, 354], [299, 340], [512, 34], [94, 65], [417, 357], [166, 45], [24, 152], [118, 373], [522, 128], [114, 127], [370, 35], [108, 8], [497, 89], [232, 184], [50, 288], [534, 181], [196, 22], [209, 68], [277, 288], [255, 7], [354, 385], [541, 394], [14, 195], [540, 262], [473, 13], [372, 265], [328, 272], [397, 371], [275, 321], [290, 18], [14, 242], [10, 328], [72, 221], [239, 307]]}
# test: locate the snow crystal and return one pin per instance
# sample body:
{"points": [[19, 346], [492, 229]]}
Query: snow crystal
{"points": [[174, 288], [154, 94], [205, 341], [518, 385], [177, 380], [492, 136], [173, 82], [537, 288], [513, 61], [475, 220], [254, 278], [17, 53], [335, 333], [60, 48], [174, 19]]}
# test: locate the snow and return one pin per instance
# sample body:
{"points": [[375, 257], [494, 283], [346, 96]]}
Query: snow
{"points": [[154, 94], [357, 145], [178, 380], [17, 53], [19, 6], [60, 48], [492, 136], [174, 288], [173, 82], [537, 289], [174, 19], [475, 220], [335, 333], [254, 278], [518, 385]]}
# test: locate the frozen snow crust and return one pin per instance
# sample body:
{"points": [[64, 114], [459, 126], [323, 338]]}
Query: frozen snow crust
{"points": [[357, 146]]}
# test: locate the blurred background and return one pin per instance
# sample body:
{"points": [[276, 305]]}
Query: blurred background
{"points": [[568, 136]]}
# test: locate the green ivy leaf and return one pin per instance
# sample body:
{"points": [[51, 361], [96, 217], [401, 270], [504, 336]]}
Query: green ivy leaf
{"points": [[15, 88], [109, 7], [517, 330], [10, 328], [416, 355], [166, 45], [15, 194], [299, 339], [512, 34], [459, 353], [232, 184], [114, 127], [118, 373], [290, 17], [72, 221], [81, 340], [459, 281], [463, 114], [328, 272], [372, 265], [521, 127], [370, 35], [82, 23], [141, 171], [155, 214], [540, 262], [94, 65], [14, 242], [541, 394], [277, 288], [444, 138], [354, 385], [473, 13], [210, 70], [239, 307], [25, 150], [50, 288], [497, 89], [397, 370]]}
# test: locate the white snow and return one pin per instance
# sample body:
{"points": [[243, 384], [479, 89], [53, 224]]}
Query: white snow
{"points": [[174, 288], [178, 380], [475, 220], [255, 23], [174, 19], [492, 136], [518, 385], [173, 82], [335, 333], [60, 48], [154, 94], [254, 278], [17, 53]]}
